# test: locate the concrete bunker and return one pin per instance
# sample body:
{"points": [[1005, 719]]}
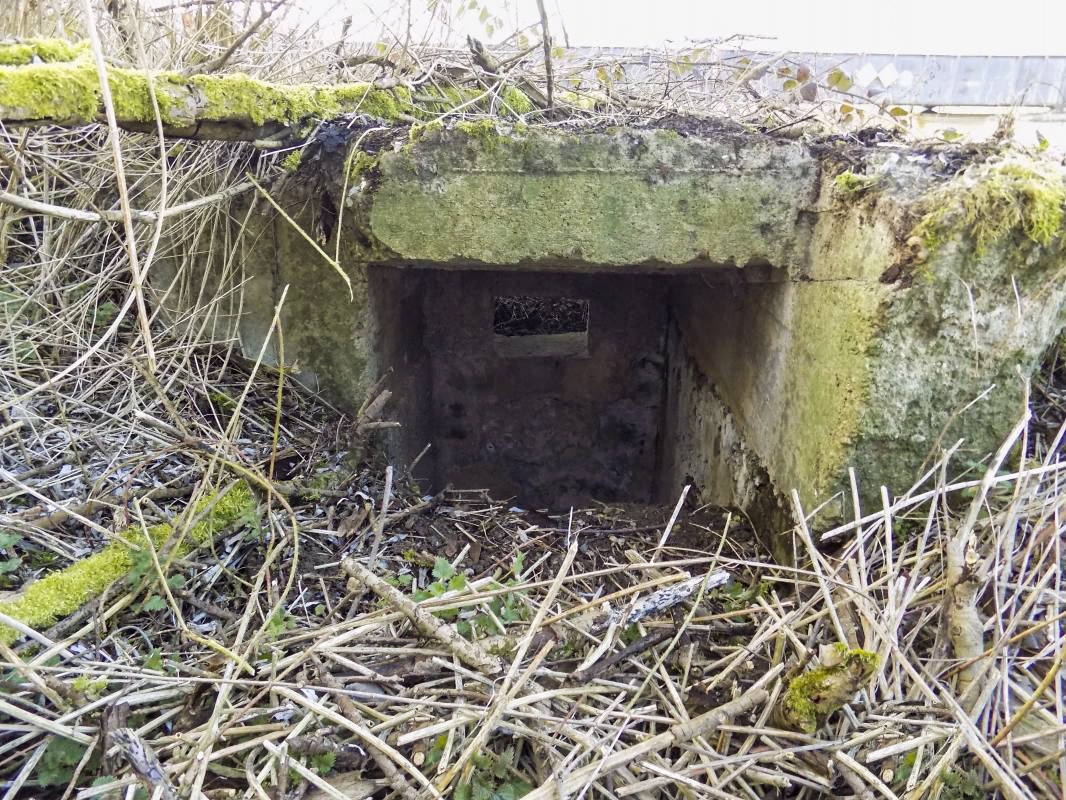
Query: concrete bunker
{"points": [[758, 322], [559, 388]]}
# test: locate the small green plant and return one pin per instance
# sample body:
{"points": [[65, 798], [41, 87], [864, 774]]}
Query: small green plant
{"points": [[494, 778], [153, 603], [903, 772], [506, 608], [434, 754], [322, 763], [10, 562], [959, 785], [154, 660], [736, 595], [141, 565], [105, 315], [222, 401], [59, 761], [291, 162], [447, 580], [279, 622], [90, 687]]}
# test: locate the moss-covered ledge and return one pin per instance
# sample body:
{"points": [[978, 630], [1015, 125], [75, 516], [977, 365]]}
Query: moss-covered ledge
{"points": [[64, 90], [24, 51]]}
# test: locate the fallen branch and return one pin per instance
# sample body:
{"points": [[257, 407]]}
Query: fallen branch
{"points": [[62, 212], [467, 652]]}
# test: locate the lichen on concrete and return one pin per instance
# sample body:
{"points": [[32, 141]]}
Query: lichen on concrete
{"points": [[477, 194], [833, 327]]}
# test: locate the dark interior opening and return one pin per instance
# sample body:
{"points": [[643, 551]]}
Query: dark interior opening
{"points": [[554, 388], [530, 315]]}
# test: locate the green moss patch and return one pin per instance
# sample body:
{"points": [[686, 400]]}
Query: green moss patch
{"points": [[989, 202], [47, 50], [814, 695], [849, 183], [69, 93], [63, 592], [58, 92]]}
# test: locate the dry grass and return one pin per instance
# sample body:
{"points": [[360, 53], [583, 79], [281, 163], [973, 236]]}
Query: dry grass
{"points": [[256, 668]]}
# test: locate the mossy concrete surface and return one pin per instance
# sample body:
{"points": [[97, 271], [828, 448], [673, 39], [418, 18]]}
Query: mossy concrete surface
{"points": [[830, 329], [590, 200]]}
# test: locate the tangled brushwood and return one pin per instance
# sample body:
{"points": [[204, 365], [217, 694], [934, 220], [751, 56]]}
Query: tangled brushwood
{"points": [[211, 586]]}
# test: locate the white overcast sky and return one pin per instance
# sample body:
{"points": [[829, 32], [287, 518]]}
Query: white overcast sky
{"points": [[974, 27]]}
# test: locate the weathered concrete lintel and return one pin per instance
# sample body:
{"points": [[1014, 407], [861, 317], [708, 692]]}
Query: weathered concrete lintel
{"points": [[612, 199]]}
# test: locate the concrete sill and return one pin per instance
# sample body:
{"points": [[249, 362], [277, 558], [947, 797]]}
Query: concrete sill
{"points": [[547, 345]]}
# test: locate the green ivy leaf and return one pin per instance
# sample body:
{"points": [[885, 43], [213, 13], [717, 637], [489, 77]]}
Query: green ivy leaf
{"points": [[10, 565], [8, 539], [839, 80]]}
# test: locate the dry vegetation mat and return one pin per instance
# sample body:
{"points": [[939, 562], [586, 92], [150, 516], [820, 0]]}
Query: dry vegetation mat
{"points": [[343, 635], [210, 587]]}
